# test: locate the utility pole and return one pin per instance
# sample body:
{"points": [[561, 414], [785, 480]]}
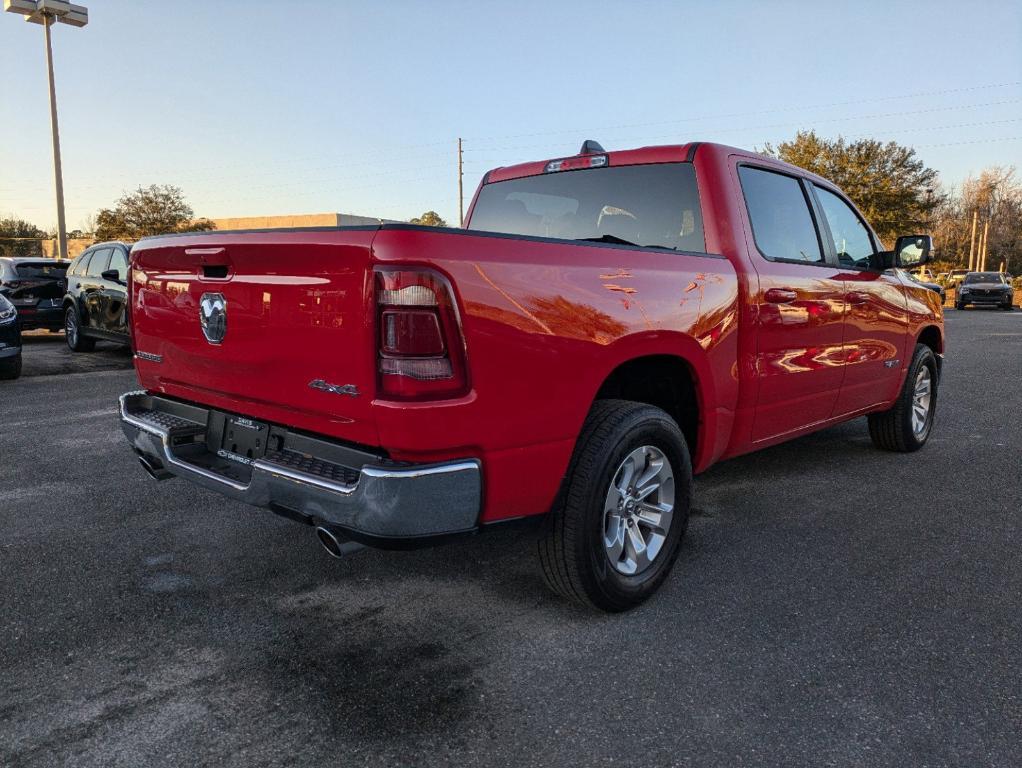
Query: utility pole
{"points": [[983, 248], [972, 241], [46, 12], [58, 175], [461, 186]]}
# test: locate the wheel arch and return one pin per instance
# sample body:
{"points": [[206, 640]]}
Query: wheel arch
{"points": [[932, 337], [667, 381], [72, 301]]}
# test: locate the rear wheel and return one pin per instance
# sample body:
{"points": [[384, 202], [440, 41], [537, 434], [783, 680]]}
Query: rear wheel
{"points": [[10, 367], [73, 333], [906, 427], [616, 527]]}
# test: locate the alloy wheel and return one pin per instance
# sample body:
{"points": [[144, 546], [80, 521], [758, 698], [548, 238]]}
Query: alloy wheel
{"points": [[921, 400], [638, 510], [71, 329]]}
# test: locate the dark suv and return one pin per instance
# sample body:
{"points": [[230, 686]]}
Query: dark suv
{"points": [[985, 288], [97, 292], [10, 340], [36, 287]]}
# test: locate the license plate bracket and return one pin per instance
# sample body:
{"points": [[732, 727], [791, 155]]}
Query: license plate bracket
{"points": [[244, 438]]}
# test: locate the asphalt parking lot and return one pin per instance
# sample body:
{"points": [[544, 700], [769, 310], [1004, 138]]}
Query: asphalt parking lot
{"points": [[47, 354], [833, 605]]}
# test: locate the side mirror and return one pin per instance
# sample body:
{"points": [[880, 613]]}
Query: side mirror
{"points": [[113, 275], [912, 250]]}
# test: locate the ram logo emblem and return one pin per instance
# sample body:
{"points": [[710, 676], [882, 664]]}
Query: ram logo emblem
{"points": [[213, 317]]}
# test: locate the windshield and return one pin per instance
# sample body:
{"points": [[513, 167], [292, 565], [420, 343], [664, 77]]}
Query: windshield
{"points": [[983, 277], [648, 205], [54, 270]]}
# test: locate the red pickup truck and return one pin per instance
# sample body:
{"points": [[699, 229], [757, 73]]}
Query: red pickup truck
{"points": [[604, 327]]}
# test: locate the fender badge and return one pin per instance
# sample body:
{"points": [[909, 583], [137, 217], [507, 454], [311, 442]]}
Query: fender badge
{"points": [[337, 389], [150, 356], [890, 363]]}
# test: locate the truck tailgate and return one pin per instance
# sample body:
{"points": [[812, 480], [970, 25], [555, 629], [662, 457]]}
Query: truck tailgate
{"points": [[297, 344]]}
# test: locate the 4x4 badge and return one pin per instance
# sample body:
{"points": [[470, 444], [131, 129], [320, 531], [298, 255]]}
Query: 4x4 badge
{"points": [[213, 317], [337, 389]]}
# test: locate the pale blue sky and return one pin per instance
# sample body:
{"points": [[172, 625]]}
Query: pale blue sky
{"points": [[257, 108]]}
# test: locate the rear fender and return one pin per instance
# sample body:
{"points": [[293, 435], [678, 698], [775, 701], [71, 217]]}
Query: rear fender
{"points": [[711, 365]]}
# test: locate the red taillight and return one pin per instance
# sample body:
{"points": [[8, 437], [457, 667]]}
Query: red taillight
{"points": [[420, 348]]}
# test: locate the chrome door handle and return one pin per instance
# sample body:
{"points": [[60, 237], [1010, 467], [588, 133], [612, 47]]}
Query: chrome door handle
{"points": [[780, 296]]}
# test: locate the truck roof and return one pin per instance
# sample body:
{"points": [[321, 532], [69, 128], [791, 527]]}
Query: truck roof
{"points": [[666, 153]]}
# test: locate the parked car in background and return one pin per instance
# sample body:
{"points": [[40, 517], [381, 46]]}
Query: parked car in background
{"points": [[985, 289], [605, 326], [95, 304], [955, 277], [10, 340], [923, 275], [935, 287], [36, 287]]}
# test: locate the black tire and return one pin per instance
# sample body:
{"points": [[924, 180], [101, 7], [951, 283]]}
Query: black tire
{"points": [[74, 337], [959, 305], [893, 429], [10, 368], [572, 555]]}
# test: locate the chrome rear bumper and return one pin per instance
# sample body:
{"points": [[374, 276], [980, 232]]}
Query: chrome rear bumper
{"points": [[365, 496]]}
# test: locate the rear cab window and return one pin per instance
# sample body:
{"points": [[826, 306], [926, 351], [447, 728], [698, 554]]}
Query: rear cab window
{"points": [[781, 216], [653, 206]]}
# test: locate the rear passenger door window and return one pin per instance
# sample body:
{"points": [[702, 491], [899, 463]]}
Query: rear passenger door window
{"points": [[100, 260], [853, 243], [782, 223], [119, 261], [79, 269]]}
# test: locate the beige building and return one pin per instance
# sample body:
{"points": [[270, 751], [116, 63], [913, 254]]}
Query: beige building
{"points": [[298, 220], [48, 248]]}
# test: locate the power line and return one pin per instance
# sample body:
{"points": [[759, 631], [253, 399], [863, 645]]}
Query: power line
{"points": [[842, 119], [921, 94], [976, 141]]}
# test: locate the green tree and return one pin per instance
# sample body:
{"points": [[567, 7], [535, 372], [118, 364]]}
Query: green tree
{"points": [[19, 237], [429, 219], [890, 185], [153, 210]]}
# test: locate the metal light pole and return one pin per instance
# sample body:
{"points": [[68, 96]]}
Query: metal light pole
{"points": [[45, 12]]}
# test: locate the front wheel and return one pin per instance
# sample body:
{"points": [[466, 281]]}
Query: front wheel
{"points": [[73, 333], [906, 427], [616, 528]]}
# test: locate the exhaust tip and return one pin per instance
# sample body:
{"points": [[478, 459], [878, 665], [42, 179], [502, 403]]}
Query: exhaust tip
{"points": [[329, 542], [152, 471], [334, 545]]}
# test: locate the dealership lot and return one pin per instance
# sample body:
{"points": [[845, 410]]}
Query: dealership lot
{"points": [[833, 604], [47, 354]]}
